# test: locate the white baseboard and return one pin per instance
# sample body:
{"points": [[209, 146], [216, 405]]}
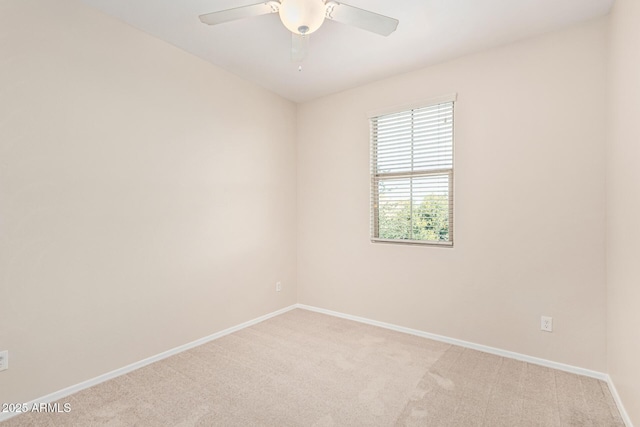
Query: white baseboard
{"points": [[137, 365], [486, 349], [616, 398]]}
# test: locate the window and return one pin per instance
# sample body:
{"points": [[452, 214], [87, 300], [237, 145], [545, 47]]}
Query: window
{"points": [[412, 175]]}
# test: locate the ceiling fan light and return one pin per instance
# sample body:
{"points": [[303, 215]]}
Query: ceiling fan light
{"points": [[302, 16]]}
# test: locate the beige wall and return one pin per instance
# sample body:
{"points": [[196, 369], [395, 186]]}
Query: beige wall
{"points": [[623, 206], [147, 198], [530, 202]]}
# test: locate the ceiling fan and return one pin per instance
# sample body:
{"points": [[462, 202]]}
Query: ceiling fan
{"points": [[303, 17]]}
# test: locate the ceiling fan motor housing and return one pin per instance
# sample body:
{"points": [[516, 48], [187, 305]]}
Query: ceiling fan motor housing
{"points": [[302, 16]]}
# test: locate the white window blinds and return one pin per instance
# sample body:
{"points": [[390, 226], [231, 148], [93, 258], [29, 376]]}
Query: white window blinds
{"points": [[412, 175]]}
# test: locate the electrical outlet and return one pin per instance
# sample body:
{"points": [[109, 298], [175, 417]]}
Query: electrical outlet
{"points": [[546, 324], [278, 286], [4, 360]]}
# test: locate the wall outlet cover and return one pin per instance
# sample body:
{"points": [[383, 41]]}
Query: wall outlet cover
{"points": [[4, 360]]}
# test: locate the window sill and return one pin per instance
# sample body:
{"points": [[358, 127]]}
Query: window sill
{"points": [[414, 242]]}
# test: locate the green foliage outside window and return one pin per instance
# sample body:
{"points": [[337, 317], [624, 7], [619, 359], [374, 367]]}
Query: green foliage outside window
{"points": [[430, 219]]}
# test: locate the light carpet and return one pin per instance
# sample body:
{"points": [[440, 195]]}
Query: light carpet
{"points": [[308, 369]]}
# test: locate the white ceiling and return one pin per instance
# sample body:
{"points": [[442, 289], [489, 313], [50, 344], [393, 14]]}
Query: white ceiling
{"points": [[340, 57]]}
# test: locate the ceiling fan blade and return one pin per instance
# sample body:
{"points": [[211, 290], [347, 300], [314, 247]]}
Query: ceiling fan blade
{"points": [[258, 9], [361, 18], [299, 47]]}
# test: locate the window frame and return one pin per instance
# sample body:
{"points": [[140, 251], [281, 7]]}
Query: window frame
{"points": [[376, 177]]}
